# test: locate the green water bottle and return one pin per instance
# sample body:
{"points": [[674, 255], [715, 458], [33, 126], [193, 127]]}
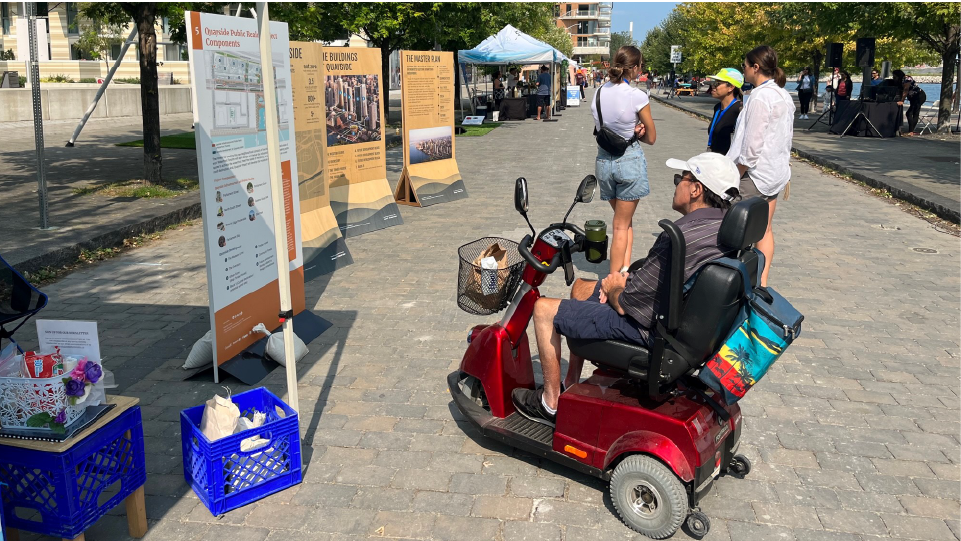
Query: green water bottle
{"points": [[596, 233]]}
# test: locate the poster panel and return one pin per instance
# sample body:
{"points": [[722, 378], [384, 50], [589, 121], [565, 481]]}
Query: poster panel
{"points": [[356, 156], [324, 248], [235, 177], [430, 173], [573, 96]]}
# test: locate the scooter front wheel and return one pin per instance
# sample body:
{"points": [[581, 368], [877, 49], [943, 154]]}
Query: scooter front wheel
{"points": [[648, 496]]}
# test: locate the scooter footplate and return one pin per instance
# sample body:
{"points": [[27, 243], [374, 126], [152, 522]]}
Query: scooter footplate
{"points": [[520, 425]]}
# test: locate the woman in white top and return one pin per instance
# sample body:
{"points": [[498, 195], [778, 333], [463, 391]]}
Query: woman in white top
{"points": [[761, 148], [623, 179]]}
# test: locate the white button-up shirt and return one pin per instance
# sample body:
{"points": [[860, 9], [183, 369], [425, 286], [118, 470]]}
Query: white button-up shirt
{"points": [[763, 136]]}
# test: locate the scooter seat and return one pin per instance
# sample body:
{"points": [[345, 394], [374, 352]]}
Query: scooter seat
{"points": [[613, 354]]}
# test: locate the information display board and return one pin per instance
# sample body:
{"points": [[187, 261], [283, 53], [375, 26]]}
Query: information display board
{"points": [[324, 248], [355, 161], [430, 173], [573, 96], [235, 177]]}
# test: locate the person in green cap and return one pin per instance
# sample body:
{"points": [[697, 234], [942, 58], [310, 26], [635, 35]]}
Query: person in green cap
{"points": [[726, 87]]}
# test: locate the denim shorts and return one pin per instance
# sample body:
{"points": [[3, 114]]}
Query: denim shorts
{"points": [[591, 320], [623, 177]]}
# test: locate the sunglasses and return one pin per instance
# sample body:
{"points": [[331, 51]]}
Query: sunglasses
{"points": [[679, 178], [715, 84]]}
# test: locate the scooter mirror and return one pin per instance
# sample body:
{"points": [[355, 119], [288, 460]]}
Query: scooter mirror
{"points": [[520, 195], [585, 192]]}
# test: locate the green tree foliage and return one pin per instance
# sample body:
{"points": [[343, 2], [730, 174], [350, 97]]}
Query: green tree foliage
{"points": [[656, 47], [391, 26], [618, 40], [97, 38]]}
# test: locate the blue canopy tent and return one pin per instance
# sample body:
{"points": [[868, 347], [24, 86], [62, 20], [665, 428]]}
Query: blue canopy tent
{"points": [[511, 46]]}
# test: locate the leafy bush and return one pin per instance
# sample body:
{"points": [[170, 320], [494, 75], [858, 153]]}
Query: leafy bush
{"points": [[58, 78], [23, 81], [128, 80], [88, 80], [7, 55]]}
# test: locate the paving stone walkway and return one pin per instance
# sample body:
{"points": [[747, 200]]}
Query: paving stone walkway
{"points": [[854, 433]]}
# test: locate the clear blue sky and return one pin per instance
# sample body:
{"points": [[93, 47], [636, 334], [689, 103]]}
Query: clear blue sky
{"points": [[646, 15]]}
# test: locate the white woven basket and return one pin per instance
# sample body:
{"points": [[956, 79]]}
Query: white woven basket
{"points": [[22, 398]]}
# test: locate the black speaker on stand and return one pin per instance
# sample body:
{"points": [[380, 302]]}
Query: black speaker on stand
{"points": [[865, 60], [834, 56]]}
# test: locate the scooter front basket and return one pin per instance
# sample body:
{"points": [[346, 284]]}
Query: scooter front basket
{"points": [[483, 291]]}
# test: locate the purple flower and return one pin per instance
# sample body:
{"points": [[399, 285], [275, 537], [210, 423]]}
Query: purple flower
{"points": [[93, 372], [61, 417], [74, 387]]}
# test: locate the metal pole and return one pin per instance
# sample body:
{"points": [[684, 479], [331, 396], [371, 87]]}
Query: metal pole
{"points": [[103, 87], [34, 73], [277, 195]]}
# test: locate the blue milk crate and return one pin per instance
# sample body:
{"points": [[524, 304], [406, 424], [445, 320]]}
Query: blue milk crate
{"points": [[223, 476], [63, 490]]}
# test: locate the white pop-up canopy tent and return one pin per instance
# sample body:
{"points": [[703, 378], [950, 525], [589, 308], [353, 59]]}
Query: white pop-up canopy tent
{"points": [[511, 46]]}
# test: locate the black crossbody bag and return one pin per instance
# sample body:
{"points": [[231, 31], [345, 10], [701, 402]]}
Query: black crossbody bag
{"points": [[606, 138]]}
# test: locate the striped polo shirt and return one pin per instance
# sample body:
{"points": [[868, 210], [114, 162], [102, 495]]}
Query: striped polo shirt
{"points": [[647, 287]]}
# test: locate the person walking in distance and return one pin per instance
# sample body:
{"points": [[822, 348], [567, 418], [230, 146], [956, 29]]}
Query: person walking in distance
{"points": [[805, 89], [726, 87], [761, 148], [544, 93], [623, 179]]}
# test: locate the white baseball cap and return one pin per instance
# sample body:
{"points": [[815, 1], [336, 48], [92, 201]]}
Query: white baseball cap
{"points": [[716, 171]]}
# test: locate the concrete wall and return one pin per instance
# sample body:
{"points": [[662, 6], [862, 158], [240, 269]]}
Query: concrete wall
{"points": [[69, 103], [82, 69]]}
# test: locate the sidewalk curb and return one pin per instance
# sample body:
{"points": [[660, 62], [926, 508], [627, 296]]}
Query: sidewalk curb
{"points": [[901, 191], [69, 254]]}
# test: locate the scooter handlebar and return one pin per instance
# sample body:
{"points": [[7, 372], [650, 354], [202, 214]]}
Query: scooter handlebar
{"points": [[537, 264]]}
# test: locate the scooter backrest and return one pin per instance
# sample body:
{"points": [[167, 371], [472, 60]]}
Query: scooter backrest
{"points": [[712, 304], [744, 224]]}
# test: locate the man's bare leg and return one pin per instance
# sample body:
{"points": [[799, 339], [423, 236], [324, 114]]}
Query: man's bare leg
{"points": [[548, 348], [580, 291]]}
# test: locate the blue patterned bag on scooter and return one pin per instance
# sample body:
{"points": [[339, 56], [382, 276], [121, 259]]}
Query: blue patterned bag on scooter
{"points": [[766, 326]]}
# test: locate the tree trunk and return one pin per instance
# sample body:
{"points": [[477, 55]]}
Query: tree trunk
{"points": [[957, 95], [947, 82], [145, 18]]}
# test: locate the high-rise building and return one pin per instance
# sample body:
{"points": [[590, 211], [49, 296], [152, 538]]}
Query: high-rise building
{"points": [[589, 25]]}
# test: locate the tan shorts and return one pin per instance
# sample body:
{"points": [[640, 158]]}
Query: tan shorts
{"points": [[749, 189]]}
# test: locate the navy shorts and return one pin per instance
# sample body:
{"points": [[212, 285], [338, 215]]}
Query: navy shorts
{"points": [[543, 101], [591, 320]]}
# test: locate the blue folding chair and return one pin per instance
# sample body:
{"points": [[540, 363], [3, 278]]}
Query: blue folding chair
{"points": [[19, 300]]}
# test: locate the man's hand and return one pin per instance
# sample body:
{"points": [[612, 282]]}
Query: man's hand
{"points": [[639, 130], [615, 280]]}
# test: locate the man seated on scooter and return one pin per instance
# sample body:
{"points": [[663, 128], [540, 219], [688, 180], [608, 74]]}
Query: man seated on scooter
{"points": [[622, 306]]}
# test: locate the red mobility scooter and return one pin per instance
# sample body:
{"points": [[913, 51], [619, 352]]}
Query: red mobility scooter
{"points": [[641, 421]]}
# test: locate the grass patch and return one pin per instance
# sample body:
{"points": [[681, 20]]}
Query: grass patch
{"points": [[136, 188], [477, 131], [183, 140]]}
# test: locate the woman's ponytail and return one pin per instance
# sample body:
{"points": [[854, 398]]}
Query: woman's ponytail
{"points": [[779, 77]]}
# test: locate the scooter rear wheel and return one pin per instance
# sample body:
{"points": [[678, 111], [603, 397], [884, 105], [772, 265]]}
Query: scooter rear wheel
{"points": [[650, 499]]}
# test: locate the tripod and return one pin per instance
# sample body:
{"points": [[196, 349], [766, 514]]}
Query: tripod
{"points": [[828, 111], [860, 114]]}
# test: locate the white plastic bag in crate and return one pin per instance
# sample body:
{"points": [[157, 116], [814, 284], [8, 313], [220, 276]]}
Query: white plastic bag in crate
{"points": [[489, 275], [22, 398]]}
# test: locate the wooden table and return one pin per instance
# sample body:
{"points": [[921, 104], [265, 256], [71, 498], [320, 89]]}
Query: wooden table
{"points": [[134, 502]]}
